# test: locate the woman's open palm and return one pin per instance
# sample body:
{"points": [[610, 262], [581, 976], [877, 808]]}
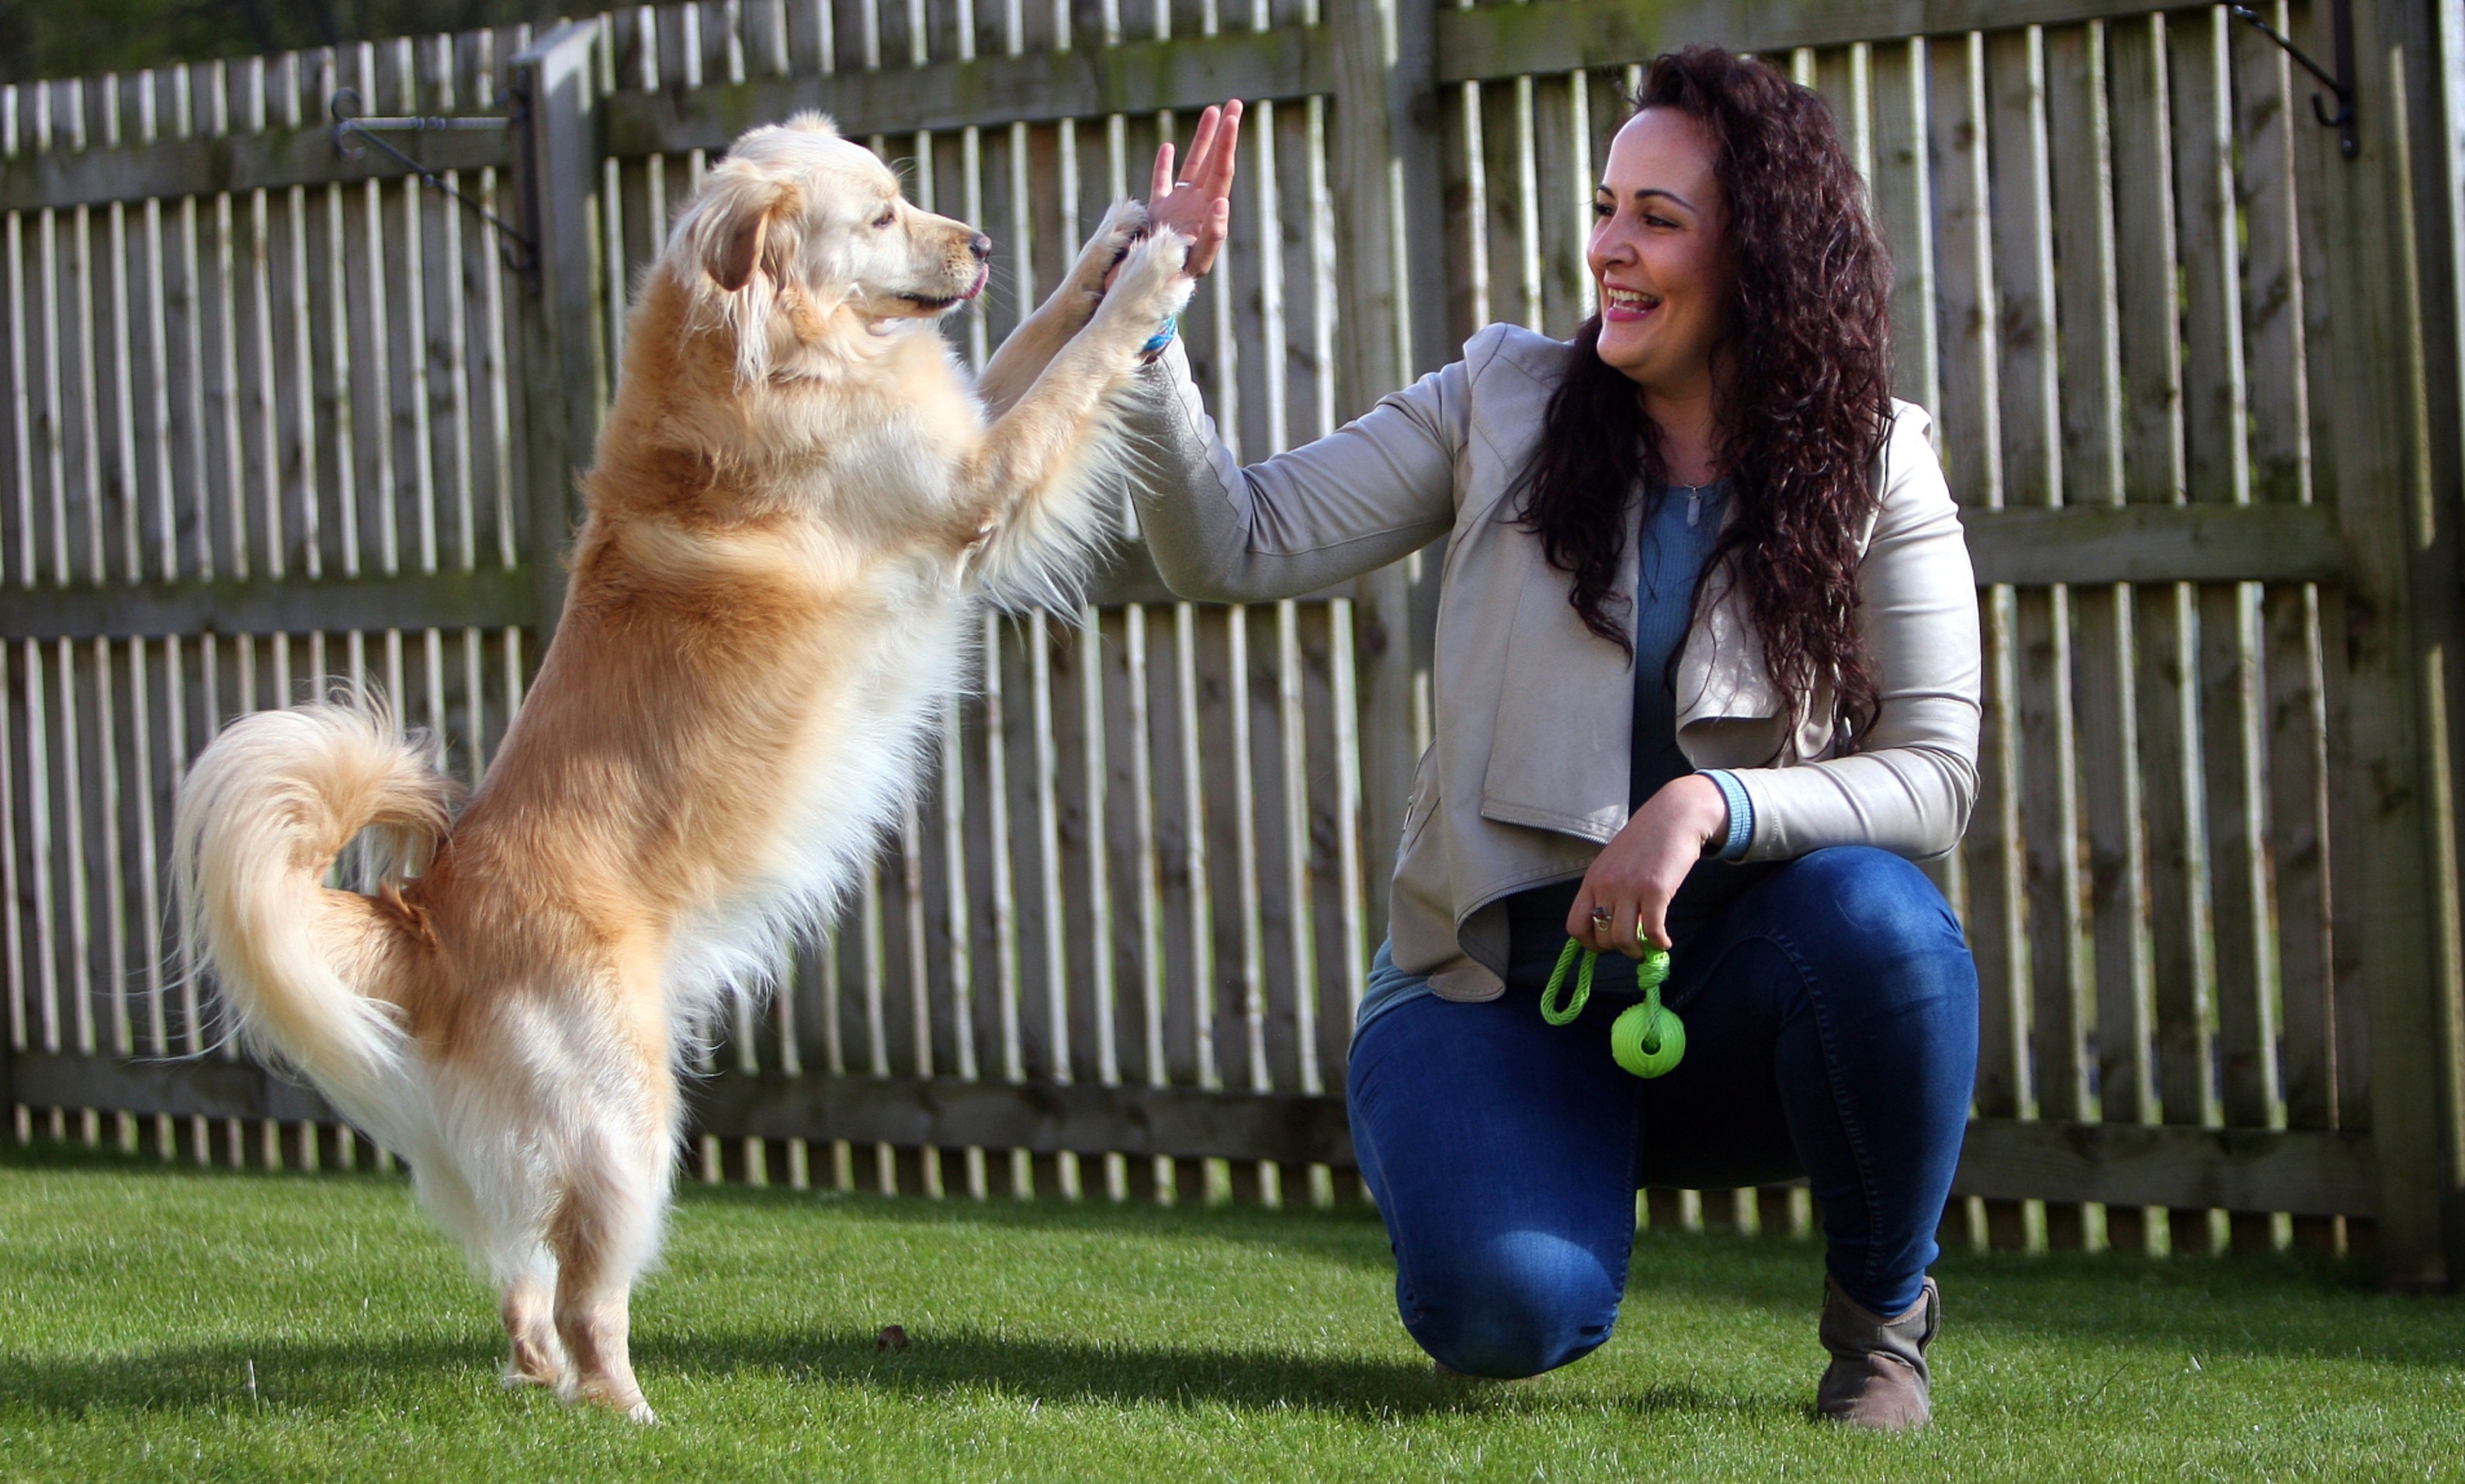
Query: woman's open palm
{"points": [[1198, 203]]}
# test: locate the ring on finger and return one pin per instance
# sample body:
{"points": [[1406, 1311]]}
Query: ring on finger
{"points": [[1183, 184]]}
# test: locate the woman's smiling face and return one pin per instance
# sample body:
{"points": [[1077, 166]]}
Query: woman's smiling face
{"points": [[1658, 254]]}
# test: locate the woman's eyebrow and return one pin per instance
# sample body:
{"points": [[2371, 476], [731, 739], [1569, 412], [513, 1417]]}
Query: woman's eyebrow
{"points": [[1648, 190]]}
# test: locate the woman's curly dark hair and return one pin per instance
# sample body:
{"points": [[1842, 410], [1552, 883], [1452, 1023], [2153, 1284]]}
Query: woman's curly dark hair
{"points": [[1807, 389]]}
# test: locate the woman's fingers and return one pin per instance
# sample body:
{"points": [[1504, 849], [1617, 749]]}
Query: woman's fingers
{"points": [[1197, 204], [1211, 240], [1160, 185], [1623, 924], [1617, 914], [1210, 161], [1585, 919], [1652, 927], [1579, 917], [1603, 916], [1201, 144], [1211, 148], [1214, 171], [1621, 935]]}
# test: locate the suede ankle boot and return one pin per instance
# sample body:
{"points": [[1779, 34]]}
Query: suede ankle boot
{"points": [[1878, 1377]]}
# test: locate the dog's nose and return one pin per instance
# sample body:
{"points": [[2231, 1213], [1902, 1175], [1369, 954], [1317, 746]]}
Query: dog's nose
{"points": [[982, 246]]}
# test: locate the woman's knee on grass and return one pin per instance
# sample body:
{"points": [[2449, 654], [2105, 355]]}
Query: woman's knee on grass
{"points": [[1523, 1303]]}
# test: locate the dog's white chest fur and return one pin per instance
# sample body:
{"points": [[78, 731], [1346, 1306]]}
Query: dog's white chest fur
{"points": [[867, 731]]}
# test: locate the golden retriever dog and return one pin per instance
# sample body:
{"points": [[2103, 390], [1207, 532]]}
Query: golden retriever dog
{"points": [[797, 515]]}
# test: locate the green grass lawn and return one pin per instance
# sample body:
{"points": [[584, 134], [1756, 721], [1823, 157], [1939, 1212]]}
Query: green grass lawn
{"points": [[1055, 1340]]}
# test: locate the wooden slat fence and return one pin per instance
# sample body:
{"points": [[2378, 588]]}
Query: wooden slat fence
{"points": [[258, 434], [273, 416]]}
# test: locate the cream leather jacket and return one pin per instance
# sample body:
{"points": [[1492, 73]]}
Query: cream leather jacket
{"points": [[1527, 778]]}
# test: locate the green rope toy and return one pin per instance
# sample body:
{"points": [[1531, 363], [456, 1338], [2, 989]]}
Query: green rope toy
{"points": [[1647, 1039]]}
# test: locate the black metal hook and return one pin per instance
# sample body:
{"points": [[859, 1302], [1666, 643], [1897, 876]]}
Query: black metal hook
{"points": [[519, 253], [2342, 27]]}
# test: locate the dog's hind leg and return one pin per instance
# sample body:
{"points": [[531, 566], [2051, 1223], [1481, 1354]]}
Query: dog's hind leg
{"points": [[604, 1234], [537, 1356], [510, 1248], [483, 1181]]}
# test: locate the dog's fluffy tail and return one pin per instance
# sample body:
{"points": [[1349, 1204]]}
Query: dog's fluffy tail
{"points": [[262, 815]]}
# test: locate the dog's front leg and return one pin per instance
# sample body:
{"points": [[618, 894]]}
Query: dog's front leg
{"points": [[1030, 347], [1033, 478]]}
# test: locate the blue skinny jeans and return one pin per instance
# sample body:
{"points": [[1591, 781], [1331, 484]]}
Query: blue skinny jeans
{"points": [[1830, 1032]]}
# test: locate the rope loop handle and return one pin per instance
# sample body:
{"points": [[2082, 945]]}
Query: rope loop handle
{"points": [[1558, 981], [1647, 1039]]}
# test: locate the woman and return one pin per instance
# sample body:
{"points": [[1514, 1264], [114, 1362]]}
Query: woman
{"points": [[1706, 678]]}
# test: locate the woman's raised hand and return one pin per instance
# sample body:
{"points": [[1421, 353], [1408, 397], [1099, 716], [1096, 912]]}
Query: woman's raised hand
{"points": [[1198, 202], [1624, 901]]}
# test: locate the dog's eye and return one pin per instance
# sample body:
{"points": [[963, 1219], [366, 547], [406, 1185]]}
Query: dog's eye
{"points": [[887, 216]]}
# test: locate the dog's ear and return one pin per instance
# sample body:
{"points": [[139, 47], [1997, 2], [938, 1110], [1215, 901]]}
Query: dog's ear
{"points": [[744, 233], [739, 249], [743, 225]]}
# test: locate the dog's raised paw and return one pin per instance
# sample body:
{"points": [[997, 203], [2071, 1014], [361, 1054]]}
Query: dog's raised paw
{"points": [[1115, 235], [1164, 255], [1151, 284], [1124, 222]]}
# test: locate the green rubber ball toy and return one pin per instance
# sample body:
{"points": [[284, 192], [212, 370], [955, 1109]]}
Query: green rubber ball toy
{"points": [[1648, 1039]]}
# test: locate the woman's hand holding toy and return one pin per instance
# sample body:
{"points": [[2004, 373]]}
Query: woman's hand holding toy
{"points": [[1624, 902]]}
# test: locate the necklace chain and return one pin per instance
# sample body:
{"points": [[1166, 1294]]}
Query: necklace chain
{"points": [[1694, 500]]}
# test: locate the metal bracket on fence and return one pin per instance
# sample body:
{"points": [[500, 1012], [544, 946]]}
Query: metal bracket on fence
{"points": [[521, 252], [2342, 27]]}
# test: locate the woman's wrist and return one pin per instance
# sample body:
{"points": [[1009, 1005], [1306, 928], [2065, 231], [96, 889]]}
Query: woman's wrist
{"points": [[1692, 807], [1737, 816]]}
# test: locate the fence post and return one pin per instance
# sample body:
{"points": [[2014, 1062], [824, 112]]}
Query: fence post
{"points": [[2403, 630], [2432, 58], [565, 375], [1392, 308]]}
